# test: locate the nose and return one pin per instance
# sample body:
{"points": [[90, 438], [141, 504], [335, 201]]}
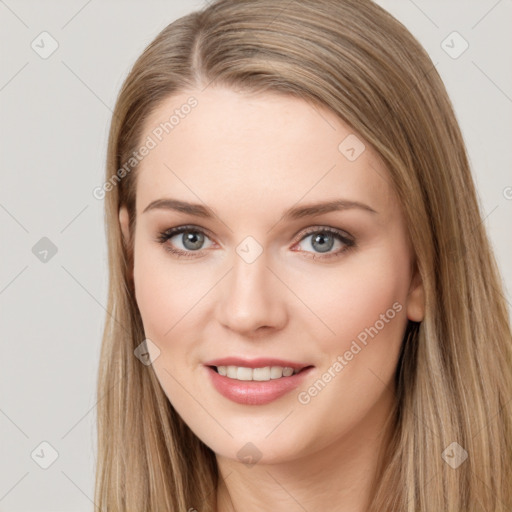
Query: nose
{"points": [[252, 297]]}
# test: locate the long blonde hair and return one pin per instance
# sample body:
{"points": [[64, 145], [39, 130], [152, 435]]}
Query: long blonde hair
{"points": [[454, 375]]}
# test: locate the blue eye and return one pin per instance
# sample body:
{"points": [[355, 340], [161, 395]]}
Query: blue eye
{"points": [[323, 240], [192, 240]]}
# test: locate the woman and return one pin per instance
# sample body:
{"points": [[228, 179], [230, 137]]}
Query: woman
{"points": [[305, 310]]}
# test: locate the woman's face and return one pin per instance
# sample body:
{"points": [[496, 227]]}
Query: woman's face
{"points": [[268, 276]]}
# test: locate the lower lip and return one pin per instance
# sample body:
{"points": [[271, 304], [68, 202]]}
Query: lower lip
{"points": [[255, 392]]}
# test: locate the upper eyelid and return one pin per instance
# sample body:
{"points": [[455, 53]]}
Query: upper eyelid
{"points": [[178, 230], [328, 229]]}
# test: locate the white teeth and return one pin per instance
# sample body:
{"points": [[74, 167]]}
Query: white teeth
{"points": [[287, 371], [243, 373], [261, 373], [258, 374], [276, 372]]}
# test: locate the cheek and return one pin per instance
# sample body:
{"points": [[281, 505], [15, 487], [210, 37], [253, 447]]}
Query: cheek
{"points": [[353, 299], [167, 290], [158, 291], [364, 305]]}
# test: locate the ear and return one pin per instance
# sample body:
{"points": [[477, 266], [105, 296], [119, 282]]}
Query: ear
{"points": [[416, 299], [124, 222]]}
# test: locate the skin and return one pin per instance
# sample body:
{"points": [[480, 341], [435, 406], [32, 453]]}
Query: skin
{"points": [[251, 157]]}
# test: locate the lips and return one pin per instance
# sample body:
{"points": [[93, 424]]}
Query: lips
{"points": [[254, 392]]}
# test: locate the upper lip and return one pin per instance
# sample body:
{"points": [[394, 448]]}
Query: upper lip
{"points": [[259, 362]]}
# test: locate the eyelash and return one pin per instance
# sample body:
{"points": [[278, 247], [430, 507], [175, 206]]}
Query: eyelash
{"points": [[348, 241]]}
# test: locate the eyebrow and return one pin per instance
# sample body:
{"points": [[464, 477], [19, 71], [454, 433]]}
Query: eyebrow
{"points": [[297, 212]]}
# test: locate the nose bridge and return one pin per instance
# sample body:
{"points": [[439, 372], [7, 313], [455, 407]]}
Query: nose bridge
{"points": [[251, 298]]}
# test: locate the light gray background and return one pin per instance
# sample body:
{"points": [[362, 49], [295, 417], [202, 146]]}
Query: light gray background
{"points": [[55, 115]]}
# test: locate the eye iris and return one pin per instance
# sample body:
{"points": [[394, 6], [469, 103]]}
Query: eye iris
{"points": [[323, 246], [193, 237]]}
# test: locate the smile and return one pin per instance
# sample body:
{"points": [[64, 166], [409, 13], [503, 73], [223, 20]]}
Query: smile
{"points": [[255, 385]]}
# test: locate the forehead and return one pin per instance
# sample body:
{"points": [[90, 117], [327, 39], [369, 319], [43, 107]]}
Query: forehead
{"points": [[256, 151]]}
